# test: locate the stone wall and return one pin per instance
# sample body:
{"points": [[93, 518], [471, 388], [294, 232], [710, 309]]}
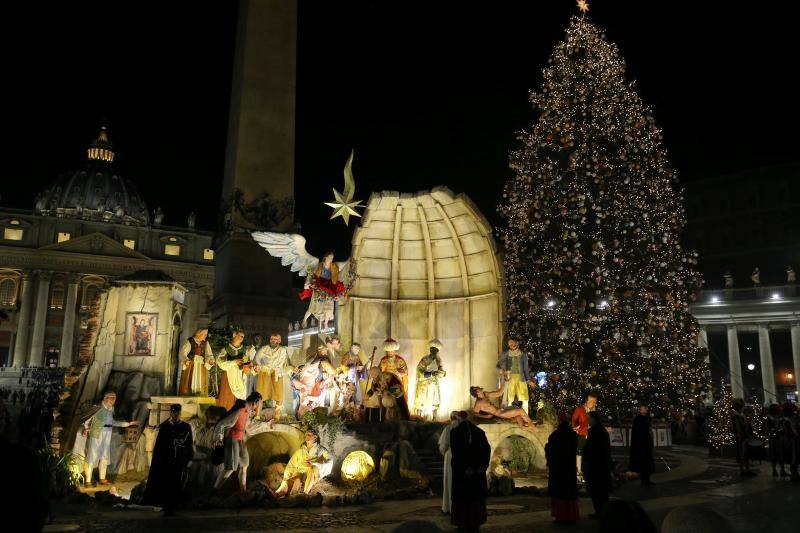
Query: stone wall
{"points": [[497, 432]]}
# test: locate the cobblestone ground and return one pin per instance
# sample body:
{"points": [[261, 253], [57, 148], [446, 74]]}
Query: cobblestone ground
{"points": [[693, 479]]}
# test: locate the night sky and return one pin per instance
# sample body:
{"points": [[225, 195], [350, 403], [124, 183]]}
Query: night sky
{"points": [[428, 93]]}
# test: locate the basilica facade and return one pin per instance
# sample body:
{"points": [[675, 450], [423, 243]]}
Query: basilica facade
{"points": [[88, 232]]}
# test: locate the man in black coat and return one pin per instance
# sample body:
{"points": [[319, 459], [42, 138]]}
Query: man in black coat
{"points": [[471, 454], [642, 445], [597, 463], [172, 453]]}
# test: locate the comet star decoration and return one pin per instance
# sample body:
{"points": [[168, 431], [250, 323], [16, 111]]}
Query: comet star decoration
{"points": [[344, 205]]}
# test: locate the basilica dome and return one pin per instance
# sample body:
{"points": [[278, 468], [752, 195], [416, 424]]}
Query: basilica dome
{"points": [[96, 192]]}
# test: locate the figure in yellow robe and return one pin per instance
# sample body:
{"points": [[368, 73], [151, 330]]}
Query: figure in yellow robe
{"points": [[310, 463]]}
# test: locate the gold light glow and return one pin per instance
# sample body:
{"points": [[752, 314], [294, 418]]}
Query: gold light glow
{"points": [[357, 466], [172, 249], [12, 234]]}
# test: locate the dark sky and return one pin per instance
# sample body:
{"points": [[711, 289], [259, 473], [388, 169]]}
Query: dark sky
{"points": [[428, 93]]}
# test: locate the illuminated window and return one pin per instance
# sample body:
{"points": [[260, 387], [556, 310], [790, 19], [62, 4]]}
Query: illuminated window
{"points": [[172, 249], [8, 292], [129, 243], [62, 236], [13, 234], [90, 292], [208, 254], [57, 296]]}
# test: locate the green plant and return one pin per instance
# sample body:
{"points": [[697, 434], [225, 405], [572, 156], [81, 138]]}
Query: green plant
{"points": [[319, 421], [521, 455], [63, 473], [546, 414], [220, 337]]}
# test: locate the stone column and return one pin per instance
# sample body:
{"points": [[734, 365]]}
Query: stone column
{"points": [[251, 288], [21, 342], [796, 353], [702, 341], [767, 370], [735, 363], [68, 335], [36, 357]]}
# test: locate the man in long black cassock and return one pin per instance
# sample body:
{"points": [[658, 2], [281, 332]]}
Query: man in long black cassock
{"points": [[471, 454], [597, 463], [172, 453], [642, 445]]}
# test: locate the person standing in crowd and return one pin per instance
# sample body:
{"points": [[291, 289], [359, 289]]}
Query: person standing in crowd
{"points": [[742, 431], [562, 477], [580, 423], [791, 438], [775, 428], [642, 445], [597, 463], [230, 434], [444, 449], [172, 454], [471, 454]]}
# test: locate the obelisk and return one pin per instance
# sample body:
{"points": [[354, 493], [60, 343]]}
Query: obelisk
{"points": [[251, 289]]}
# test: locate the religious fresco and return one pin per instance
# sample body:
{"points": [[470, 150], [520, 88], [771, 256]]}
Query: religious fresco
{"points": [[140, 333]]}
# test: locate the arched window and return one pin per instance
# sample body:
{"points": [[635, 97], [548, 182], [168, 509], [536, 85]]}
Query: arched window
{"points": [[8, 292], [90, 292], [57, 295]]}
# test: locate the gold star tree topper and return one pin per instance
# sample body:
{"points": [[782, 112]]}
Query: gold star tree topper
{"points": [[344, 205], [583, 6]]}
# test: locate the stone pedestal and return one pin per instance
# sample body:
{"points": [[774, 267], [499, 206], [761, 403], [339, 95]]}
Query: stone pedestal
{"points": [[251, 288]]}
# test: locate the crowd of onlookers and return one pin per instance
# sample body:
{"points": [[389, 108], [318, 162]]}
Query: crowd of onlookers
{"points": [[33, 399]]}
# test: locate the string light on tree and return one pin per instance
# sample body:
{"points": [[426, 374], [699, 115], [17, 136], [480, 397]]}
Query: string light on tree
{"points": [[598, 283], [719, 424]]}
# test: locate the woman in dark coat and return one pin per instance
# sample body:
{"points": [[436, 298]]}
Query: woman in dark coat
{"points": [[562, 480], [597, 463], [642, 445], [471, 454]]}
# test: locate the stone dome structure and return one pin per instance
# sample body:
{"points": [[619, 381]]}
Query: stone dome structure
{"points": [[428, 268], [96, 192]]}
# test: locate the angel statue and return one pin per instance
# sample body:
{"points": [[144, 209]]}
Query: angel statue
{"points": [[327, 281]]}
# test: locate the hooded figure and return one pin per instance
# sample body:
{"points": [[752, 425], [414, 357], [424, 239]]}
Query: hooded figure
{"points": [[562, 480], [444, 449], [471, 455]]}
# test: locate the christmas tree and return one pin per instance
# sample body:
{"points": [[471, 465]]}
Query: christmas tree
{"points": [[598, 283], [720, 432]]}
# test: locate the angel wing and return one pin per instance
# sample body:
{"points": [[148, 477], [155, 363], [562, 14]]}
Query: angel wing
{"points": [[289, 247]]}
